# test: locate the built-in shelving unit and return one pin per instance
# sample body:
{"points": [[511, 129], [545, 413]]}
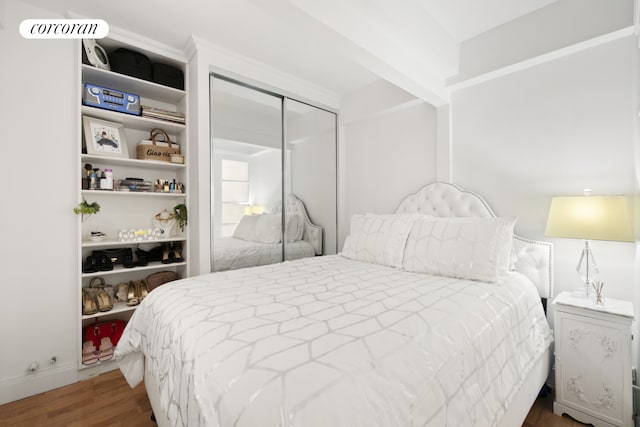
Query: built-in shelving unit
{"points": [[121, 210]]}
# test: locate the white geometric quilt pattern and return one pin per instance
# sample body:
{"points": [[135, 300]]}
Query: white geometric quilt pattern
{"points": [[329, 341]]}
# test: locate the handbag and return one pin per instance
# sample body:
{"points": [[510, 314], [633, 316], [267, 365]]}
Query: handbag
{"points": [[160, 278]]}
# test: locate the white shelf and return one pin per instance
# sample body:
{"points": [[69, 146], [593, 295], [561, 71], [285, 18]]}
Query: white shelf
{"points": [[136, 86], [118, 307], [156, 265], [131, 121], [113, 193], [106, 243], [141, 164]]}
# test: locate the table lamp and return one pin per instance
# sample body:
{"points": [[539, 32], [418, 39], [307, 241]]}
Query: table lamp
{"points": [[590, 218]]}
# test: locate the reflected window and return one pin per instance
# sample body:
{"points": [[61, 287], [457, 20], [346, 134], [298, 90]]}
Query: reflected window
{"points": [[234, 193]]}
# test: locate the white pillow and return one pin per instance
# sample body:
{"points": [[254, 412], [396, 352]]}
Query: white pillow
{"points": [[245, 229], [378, 239], [467, 248], [268, 228]]}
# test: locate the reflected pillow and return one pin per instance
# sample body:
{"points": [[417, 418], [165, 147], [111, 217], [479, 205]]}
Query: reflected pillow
{"points": [[268, 228], [466, 248], [245, 229], [378, 239]]}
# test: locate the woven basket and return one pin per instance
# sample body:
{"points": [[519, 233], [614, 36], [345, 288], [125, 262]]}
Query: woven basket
{"points": [[157, 150]]}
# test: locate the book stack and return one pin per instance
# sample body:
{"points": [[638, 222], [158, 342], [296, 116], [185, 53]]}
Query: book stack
{"points": [[160, 114]]}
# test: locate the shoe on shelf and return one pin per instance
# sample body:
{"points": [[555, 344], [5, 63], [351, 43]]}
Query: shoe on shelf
{"points": [[106, 349], [89, 353], [142, 290], [132, 295], [143, 257], [105, 264], [90, 265], [127, 261], [104, 301], [167, 255], [89, 303], [177, 252]]}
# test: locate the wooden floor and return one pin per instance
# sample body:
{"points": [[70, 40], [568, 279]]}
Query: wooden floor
{"points": [[107, 400]]}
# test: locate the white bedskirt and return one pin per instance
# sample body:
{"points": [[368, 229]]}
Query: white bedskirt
{"points": [[328, 341]]}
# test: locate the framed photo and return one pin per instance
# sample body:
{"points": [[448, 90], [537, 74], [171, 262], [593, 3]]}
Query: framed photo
{"points": [[104, 138]]}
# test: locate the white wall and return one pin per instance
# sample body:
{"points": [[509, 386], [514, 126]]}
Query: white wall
{"points": [[389, 153], [38, 255], [553, 129]]}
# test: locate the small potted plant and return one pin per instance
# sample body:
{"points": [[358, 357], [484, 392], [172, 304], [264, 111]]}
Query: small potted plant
{"points": [[86, 208], [180, 212]]}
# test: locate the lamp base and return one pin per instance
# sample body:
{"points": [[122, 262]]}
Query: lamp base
{"points": [[585, 291]]}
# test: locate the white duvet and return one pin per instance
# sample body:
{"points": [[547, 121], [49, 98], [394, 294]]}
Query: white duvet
{"points": [[328, 341]]}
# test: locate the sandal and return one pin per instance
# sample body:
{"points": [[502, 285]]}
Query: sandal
{"points": [[104, 301], [142, 290], [106, 349], [89, 304], [132, 295], [89, 353]]}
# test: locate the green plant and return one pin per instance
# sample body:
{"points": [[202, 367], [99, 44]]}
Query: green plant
{"points": [[180, 212], [85, 208]]}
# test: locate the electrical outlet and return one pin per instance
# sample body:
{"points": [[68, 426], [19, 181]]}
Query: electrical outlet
{"points": [[33, 367], [53, 360]]}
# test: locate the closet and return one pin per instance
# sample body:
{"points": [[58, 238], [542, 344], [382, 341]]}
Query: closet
{"points": [[273, 176]]}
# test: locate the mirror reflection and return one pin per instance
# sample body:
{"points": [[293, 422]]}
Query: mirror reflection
{"points": [[252, 179]]}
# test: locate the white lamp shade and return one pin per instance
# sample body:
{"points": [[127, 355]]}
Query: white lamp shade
{"points": [[590, 218]]}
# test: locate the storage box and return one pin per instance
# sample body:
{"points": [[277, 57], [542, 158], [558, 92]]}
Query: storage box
{"points": [[131, 63], [167, 75]]}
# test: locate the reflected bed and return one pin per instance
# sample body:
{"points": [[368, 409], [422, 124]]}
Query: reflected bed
{"points": [[254, 242]]}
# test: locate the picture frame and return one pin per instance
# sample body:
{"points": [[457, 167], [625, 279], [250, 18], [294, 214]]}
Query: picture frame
{"points": [[104, 138]]}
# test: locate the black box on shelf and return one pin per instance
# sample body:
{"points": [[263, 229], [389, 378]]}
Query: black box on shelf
{"points": [[131, 63], [167, 75]]}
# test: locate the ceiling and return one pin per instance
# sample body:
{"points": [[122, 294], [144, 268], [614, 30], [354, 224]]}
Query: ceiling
{"points": [[339, 45]]}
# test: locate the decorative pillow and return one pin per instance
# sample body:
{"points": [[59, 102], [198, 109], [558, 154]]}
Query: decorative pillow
{"points": [[268, 228], [466, 248], [245, 229], [378, 239]]}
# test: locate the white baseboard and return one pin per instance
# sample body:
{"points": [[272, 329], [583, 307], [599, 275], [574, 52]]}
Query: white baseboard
{"points": [[30, 384]]}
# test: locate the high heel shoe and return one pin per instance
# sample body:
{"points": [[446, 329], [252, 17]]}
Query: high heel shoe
{"points": [[177, 252], [166, 254]]}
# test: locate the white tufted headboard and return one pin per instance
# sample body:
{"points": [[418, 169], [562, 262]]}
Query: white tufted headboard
{"points": [[534, 258], [312, 233]]}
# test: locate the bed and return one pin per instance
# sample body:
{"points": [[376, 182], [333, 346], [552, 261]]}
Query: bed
{"points": [[362, 338], [257, 239]]}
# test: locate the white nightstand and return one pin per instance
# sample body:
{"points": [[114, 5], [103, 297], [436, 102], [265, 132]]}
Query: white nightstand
{"points": [[593, 360]]}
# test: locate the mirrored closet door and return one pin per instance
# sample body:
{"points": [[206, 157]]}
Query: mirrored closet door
{"points": [[273, 177]]}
